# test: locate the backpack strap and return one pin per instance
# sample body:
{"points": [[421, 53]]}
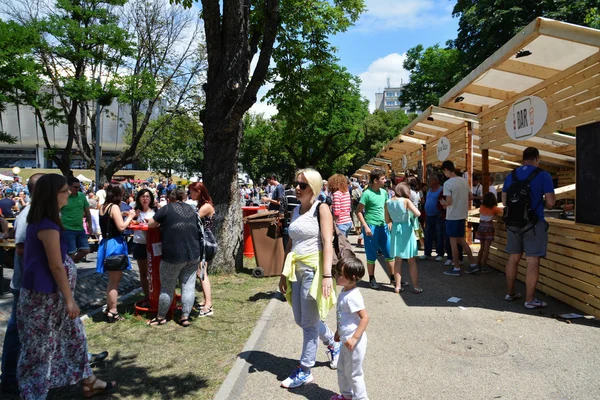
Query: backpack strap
{"points": [[532, 175]]}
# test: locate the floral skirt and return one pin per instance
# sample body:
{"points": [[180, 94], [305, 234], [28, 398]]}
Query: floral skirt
{"points": [[485, 231], [53, 346]]}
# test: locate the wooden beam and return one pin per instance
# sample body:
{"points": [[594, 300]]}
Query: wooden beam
{"points": [[489, 92], [424, 162], [527, 69], [471, 108], [485, 161]]}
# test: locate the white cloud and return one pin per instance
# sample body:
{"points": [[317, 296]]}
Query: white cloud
{"points": [[404, 14], [374, 79]]}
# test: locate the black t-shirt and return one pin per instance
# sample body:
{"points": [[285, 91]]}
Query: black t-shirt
{"points": [[179, 229]]}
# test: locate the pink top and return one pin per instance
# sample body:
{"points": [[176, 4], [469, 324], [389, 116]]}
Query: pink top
{"points": [[341, 207]]}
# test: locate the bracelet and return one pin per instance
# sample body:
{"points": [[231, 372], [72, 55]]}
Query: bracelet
{"points": [[327, 276]]}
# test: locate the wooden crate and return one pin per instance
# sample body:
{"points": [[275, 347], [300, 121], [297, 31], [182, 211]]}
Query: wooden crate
{"points": [[570, 272]]}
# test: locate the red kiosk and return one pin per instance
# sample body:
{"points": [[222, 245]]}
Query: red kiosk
{"points": [[154, 252]]}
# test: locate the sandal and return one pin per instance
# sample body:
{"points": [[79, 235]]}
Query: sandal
{"points": [[94, 391], [417, 290], [156, 322], [185, 322], [111, 317], [205, 311]]}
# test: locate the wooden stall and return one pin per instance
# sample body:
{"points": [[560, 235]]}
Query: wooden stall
{"points": [[558, 63]]}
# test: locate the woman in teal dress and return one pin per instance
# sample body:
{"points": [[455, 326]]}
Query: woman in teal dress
{"points": [[401, 214]]}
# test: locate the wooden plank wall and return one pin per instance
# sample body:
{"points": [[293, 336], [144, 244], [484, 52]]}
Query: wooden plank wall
{"points": [[571, 270], [566, 176], [572, 96]]}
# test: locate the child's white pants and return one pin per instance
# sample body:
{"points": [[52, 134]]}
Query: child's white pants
{"points": [[351, 378]]}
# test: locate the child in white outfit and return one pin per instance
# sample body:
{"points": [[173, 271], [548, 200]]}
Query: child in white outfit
{"points": [[352, 320]]}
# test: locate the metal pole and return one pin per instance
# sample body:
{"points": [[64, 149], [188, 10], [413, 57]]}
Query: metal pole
{"points": [[98, 141]]}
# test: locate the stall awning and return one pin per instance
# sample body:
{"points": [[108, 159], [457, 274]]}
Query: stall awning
{"points": [[556, 61]]}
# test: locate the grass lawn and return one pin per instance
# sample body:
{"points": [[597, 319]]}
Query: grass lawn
{"points": [[172, 362]]}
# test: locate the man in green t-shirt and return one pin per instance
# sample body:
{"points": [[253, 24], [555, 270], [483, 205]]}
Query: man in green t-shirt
{"points": [[72, 219], [371, 213]]}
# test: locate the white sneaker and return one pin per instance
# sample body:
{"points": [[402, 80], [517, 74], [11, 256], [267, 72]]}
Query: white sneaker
{"points": [[333, 353], [297, 379], [439, 258], [448, 263]]}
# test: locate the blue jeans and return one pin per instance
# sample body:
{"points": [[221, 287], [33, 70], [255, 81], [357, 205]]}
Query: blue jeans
{"points": [[344, 228], [434, 228], [12, 346]]}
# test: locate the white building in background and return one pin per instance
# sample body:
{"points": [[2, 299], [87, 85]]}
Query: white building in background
{"points": [[29, 151], [388, 99]]}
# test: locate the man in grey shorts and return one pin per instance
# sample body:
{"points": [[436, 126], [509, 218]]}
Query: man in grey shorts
{"points": [[531, 240]]}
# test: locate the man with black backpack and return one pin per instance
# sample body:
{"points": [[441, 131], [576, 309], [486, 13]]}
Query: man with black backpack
{"points": [[526, 191]]}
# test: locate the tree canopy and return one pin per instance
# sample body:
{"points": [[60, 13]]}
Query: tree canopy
{"points": [[484, 26]]}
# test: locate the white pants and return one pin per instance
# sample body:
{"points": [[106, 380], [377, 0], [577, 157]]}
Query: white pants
{"points": [[351, 377]]}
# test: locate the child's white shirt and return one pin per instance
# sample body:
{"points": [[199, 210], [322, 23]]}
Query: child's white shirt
{"points": [[349, 303]]}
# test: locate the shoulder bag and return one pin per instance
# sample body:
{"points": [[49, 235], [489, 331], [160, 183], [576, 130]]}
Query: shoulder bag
{"points": [[208, 242], [115, 262]]}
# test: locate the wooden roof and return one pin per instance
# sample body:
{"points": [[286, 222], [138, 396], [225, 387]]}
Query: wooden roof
{"points": [[556, 61]]}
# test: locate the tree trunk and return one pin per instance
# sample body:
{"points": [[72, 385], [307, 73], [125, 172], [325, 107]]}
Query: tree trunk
{"points": [[220, 176]]}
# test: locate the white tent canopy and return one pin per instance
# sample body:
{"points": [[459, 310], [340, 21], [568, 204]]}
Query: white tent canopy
{"points": [[82, 178], [6, 178]]}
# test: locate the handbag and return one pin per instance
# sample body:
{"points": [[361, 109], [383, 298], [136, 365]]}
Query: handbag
{"points": [[208, 242], [116, 262]]}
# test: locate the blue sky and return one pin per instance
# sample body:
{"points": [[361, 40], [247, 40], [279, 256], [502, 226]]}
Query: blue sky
{"points": [[375, 47]]}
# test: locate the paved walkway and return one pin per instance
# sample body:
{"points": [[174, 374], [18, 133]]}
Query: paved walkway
{"points": [[423, 347]]}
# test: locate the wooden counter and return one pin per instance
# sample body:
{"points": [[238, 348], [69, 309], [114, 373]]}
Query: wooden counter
{"points": [[570, 272]]}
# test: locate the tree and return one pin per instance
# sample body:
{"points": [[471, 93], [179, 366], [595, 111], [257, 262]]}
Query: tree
{"points": [[146, 55], [18, 70], [179, 148], [71, 36], [485, 25], [380, 127], [433, 71], [322, 115], [235, 33], [261, 150]]}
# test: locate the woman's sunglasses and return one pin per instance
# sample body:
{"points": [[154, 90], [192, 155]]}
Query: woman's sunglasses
{"points": [[302, 185]]}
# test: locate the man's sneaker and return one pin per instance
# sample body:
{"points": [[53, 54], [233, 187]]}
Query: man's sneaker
{"points": [[404, 283], [452, 272], [511, 297], [333, 352], [423, 257], [448, 263], [439, 258], [297, 379], [373, 283], [535, 304], [472, 269]]}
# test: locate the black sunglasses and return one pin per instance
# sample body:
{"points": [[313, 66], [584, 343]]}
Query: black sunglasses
{"points": [[302, 185]]}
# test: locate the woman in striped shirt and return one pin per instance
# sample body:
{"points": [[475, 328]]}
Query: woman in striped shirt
{"points": [[341, 205]]}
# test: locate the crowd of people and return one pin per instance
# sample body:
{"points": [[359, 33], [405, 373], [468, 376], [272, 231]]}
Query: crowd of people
{"points": [[45, 344], [393, 220], [389, 219]]}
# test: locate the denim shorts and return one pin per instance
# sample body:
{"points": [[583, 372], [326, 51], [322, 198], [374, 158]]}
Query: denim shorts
{"points": [[76, 240], [455, 228]]}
